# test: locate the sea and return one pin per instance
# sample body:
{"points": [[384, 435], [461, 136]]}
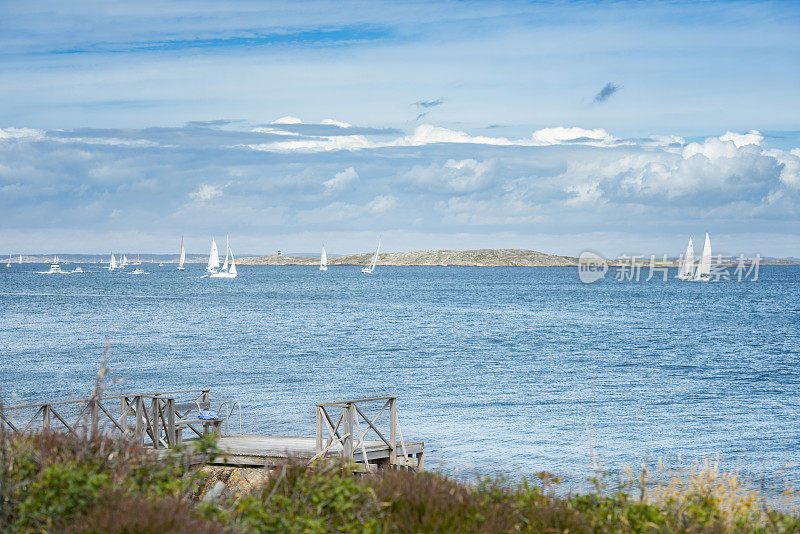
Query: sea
{"points": [[500, 371]]}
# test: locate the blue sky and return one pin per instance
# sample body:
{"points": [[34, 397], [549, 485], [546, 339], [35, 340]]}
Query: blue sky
{"points": [[620, 127]]}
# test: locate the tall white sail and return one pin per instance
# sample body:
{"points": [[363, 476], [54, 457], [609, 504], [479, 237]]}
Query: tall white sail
{"points": [[183, 256], [112, 263], [229, 271], [704, 267], [227, 253], [20, 259], [124, 259], [9, 260], [323, 259], [374, 260], [232, 270], [213, 257], [688, 262]]}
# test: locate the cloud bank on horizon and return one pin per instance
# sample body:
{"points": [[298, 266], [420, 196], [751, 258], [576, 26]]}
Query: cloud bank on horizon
{"points": [[560, 189]]}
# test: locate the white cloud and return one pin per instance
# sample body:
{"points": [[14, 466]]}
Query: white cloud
{"points": [[318, 144], [334, 122], [205, 192], [341, 180], [288, 119], [381, 204], [21, 133], [454, 176], [560, 135], [427, 134], [343, 211]]}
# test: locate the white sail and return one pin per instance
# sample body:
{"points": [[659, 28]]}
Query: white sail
{"points": [[183, 256], [20, 259], [124, 259], [688, 262], [213, 257], [9, 260], [232, 270], [704, 267], [227, 253], [323, 259], [374, 260], [112, 263]]}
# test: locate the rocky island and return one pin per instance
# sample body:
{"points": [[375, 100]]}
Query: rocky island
{"points": [[475, 258]]}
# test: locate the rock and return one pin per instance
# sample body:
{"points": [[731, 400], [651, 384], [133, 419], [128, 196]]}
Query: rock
{"points": [[215, 492]]}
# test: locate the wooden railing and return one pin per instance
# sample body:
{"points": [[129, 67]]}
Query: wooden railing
{"points": [[154, 419], [349, 440]]}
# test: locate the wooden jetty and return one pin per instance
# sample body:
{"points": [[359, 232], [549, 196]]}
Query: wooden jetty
{"points": [[166, 419]]}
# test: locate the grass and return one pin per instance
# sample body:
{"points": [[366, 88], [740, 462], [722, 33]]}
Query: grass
{"points": [[51, 482]]}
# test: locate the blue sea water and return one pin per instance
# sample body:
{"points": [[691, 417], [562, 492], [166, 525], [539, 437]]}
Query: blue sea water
{"points": [[510, 370]]}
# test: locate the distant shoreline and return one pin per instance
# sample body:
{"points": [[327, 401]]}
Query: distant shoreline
{"points": [[419, 258]]}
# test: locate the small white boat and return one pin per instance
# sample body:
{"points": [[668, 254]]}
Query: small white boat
{"points": [[371, 267], [323, 259], [703, 271], [138, 261], [138, 270], [77, 269], [124, 262], [183, 258], [213, 258], [20, 259], [9, 260], [161, 265], [226, 271], [687, 266], [112, 262]]}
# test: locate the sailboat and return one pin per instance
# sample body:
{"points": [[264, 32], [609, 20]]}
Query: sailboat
{"points": [[687, 266], [138, 261], [371, 266], [226, 271], [703, 271], [213, 258], [112, 263], [323, 259], [9, 260], [20, 259], [183, 257]]}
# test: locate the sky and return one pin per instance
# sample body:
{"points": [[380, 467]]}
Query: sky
{"points": [[618, 127]]}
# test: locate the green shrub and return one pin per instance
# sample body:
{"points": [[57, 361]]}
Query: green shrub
{"points": [[319, 498]]}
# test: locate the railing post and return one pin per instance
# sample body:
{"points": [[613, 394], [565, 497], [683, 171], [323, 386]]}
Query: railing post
{"points": [[94, 418], [171, 422], [319, 430], [393, 430], [45, 417], [140, 419], [156, 428], [348, 429]]}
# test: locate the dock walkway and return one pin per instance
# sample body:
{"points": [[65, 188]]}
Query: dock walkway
{"points": [[162, 420]]}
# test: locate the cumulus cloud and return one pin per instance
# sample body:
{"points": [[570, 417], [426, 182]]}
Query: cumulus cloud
{"points": [[560, 179], [334, 122], [288, 119], [427, 134], [605, 93], [341, 180], [454, 176], [205, 193]]}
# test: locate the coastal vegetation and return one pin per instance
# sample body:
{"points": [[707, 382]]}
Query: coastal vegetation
{"points": [[52, 482], [477, 258]]}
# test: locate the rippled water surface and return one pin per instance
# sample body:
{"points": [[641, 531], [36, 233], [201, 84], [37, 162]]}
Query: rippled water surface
{"points": [[514, 370]]}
